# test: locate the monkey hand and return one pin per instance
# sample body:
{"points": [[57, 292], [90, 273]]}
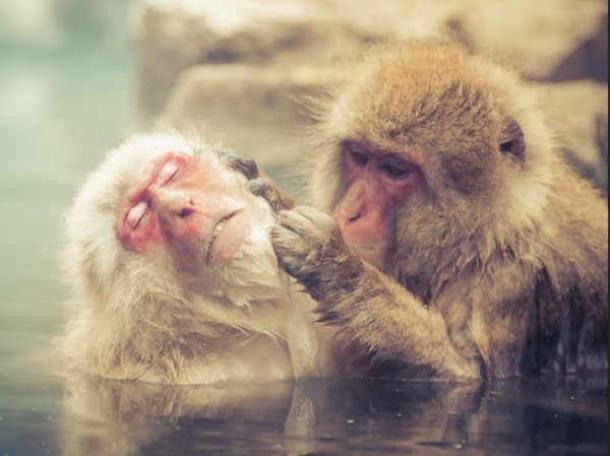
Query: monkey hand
{"points": [[309, 247], [263, 187], [258, 183]]}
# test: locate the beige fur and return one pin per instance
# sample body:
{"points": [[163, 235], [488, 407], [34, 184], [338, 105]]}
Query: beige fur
{"points": [[136, 316], [496, 261]]}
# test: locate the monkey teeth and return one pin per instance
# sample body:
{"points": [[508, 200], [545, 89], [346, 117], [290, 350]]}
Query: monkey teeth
{"points": [[219, 228], [215, 233]]}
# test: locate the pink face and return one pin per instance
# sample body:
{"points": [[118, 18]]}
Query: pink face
{"points": [[377, 184], [184, 203]]}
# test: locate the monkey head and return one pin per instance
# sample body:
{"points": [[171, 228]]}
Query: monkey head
{"points": [[425, 147], [164, 218]]}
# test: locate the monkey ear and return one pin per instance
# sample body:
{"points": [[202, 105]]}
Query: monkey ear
{"points": [[246, 166], [512, 141]]}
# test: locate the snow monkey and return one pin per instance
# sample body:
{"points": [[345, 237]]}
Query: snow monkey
{"points": [[173, 273], [461, 245]]}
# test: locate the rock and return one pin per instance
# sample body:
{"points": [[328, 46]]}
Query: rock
{"points": [[173, 35], [578, 113], [546, 40], [588, 60]]}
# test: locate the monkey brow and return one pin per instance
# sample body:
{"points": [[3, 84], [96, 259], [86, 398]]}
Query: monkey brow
{"points": [[351, 144], [392, 157]]}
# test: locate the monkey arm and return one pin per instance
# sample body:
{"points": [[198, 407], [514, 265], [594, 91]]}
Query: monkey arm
{"points": [[369, 308]]}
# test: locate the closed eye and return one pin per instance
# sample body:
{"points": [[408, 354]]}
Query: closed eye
{"points": [[136, 214], [396, 168], [167, 173], [355, 153], [359, 158]]}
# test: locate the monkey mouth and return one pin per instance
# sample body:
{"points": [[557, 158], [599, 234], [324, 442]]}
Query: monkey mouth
{"points": [[220, 225], [227, 237]]}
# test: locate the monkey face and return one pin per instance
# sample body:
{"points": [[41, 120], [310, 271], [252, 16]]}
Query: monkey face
{"points": [[376, 184], [420, 140], [186, 203], [162, 216]]}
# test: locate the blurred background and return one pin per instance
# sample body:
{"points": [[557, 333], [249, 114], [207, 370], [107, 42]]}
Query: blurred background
{"points": [[67, 71], [78, 76]]}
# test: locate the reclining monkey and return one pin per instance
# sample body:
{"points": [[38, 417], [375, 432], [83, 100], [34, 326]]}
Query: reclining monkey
{"points": [[173, 274]]}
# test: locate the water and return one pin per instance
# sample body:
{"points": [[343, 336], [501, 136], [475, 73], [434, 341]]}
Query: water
{"points": [[84, 416], [67, 85]]}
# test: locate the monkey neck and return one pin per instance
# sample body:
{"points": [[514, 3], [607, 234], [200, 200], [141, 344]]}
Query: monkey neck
{"points": [[427, 270]]}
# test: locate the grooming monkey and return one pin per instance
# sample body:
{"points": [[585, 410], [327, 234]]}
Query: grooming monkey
{"points": [[461, 245], [173, 274]]}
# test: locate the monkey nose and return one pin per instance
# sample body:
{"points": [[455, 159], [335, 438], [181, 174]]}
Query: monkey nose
{"points": [[171, 202]]}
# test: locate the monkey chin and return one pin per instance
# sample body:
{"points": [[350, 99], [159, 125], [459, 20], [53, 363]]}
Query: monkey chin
{"points": [[251, 274]]}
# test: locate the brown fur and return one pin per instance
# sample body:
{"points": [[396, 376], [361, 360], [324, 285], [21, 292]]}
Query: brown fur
{"points": [[499, 263]]}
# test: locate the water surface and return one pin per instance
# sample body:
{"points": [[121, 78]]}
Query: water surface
{"points": [[67, 87], [77, 415]]}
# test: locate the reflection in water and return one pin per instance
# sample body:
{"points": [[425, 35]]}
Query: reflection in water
{"points": [[343, 417]]}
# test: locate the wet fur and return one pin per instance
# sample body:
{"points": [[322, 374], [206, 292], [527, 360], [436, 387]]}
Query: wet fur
{"points": [[500, 263]]}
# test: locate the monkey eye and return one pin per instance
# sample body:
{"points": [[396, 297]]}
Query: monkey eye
{"points": [[513, 149], [168, 172], [136, 214], [396, 168], [359, 157]]}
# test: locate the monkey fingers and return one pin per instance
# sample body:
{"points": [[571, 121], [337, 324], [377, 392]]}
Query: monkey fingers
{"points": [[263, 187], [294, 247], [309, 221], [259, 185], [309, 247]]}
